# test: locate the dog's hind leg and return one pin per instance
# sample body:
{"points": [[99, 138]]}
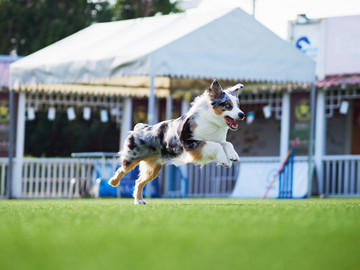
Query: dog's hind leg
{"points": [[149, 169], [124, 169]]}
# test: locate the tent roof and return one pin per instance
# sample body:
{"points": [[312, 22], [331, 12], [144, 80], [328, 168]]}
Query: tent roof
{"points": [[226, 44]]}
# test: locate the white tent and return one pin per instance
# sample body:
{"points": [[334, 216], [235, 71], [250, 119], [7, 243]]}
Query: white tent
{"points": [[227, 44], [223, 44]]}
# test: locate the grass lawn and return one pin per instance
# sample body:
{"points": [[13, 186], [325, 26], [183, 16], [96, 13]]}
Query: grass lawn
{"points": [[180, 234]]}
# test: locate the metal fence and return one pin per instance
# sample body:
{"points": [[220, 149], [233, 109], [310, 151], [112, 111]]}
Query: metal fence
{"points": [[341, 175]]}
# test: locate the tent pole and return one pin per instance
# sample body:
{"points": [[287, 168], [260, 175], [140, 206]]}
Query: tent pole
{"points": [[169, 107], [151, 121], [151, 102], [20, 142], [320, 138], [253, 6], [126, 122], [311, 141], [285, 125], [11, 143]]}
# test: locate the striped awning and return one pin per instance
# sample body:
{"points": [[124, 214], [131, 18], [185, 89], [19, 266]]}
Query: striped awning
{"points": [[339, 80]]}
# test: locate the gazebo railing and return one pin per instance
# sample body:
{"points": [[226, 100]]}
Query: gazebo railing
{"points": [[72, 178], [55, 177], [75, 177], [341, 175]]}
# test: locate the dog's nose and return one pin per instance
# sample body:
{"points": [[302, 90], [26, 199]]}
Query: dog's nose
{"points": [[241, 115]]}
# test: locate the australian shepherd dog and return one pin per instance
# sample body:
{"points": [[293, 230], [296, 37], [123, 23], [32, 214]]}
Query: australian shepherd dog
{"points": [[199, 136]]}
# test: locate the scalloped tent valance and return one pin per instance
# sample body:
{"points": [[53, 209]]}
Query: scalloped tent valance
{"points": [[227, 45]]}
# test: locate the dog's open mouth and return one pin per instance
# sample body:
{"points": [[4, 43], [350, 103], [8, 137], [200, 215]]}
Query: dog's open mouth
{"points": [[233, 124]]}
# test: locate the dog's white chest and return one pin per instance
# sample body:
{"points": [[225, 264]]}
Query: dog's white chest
{"points": [[210, 132]]}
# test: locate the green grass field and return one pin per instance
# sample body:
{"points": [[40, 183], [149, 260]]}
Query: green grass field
{"points": [[180, 234]]}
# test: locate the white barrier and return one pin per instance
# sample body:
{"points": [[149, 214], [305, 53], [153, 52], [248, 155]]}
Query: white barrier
{"points": [[255, 175]]}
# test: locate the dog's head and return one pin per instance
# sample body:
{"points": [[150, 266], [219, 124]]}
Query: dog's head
{"points": [[225, 104]]}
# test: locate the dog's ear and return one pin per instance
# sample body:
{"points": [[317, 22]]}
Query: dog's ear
{"points": [[235, 90], [215, 90]]}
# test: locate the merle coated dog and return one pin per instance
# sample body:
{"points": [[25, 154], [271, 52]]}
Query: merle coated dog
{"points": [[199, 136]]}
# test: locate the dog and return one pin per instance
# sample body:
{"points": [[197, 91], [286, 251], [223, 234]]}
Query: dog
{"points": [[199, 137]]}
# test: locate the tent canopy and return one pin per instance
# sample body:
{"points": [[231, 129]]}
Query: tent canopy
{"points": [[227, 45]]}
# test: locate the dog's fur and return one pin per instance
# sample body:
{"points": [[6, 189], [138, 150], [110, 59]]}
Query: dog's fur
{"points": [[199, 136]]}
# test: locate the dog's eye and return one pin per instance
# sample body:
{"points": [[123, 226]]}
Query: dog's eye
{"points": [[228, 106]]}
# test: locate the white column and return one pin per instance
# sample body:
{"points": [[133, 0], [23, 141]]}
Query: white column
{"points": [[20, 143], [285, 125], [151, 103], [11, 143], [168, 107], [151, 121], [185, 106], [126, 121], [166, 168], [320, 137]]}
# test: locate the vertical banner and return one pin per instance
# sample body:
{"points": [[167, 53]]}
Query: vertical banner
{"points": [[5, 123], [140, 111], [355, 146], [300, 121]]}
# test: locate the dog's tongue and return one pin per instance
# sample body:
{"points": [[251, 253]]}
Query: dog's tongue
{"points": [[231, 122]]}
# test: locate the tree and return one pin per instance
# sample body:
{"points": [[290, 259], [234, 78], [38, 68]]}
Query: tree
{"points": [[129, 9], [29, 25]]}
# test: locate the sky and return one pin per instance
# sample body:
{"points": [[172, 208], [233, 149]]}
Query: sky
{"points": [[275, 14]]}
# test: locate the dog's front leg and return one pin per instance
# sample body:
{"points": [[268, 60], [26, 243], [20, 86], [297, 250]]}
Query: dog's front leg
{"points": [[214, 150], [230, 151]]}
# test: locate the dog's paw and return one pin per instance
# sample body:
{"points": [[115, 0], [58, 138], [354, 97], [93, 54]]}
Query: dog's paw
{"points": [[114, 181], [226, 163], [234, 158], [223, 160], [230, 152], [136, 201]]}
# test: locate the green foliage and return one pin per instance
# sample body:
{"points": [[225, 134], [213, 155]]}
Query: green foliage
{"points": [[61, 137], [28, 25], [129, 9], [180, 234]]}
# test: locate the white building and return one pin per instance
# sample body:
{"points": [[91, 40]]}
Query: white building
{"points": [[334, 43]]}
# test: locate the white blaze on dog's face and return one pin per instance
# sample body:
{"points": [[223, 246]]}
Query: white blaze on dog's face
{"points": [[226, 105]]}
